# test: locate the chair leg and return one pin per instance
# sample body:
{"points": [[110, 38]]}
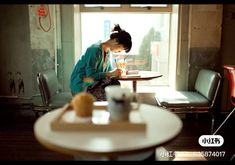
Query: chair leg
{"points": [[212, 123], [232, 158], [224, 121], [40, 110], [36, 114]]}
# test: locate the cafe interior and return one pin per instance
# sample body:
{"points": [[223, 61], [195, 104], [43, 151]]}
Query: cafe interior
{"points": [[190, 45]]}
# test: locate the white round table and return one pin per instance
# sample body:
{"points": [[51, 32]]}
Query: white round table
{"points": [[162, 127]]}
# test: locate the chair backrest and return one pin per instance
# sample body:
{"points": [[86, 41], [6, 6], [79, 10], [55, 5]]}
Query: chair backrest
{"points": [[48, 85], [230, 70], [207, 84]]}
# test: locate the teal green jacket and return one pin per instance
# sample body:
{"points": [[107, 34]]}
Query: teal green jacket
{"points": [[91, 64]]}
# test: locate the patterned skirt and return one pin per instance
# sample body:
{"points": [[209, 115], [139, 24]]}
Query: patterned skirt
{"points": [[97, 89]]}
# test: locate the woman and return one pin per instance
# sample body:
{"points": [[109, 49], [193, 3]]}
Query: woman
{"points": [[94, 70]]}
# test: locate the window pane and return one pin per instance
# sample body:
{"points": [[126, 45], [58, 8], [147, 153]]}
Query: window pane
{"points": [[102, 5], [150, 37], [148, 5]]}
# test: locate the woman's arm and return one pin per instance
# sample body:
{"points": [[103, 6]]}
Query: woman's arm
{"points": [[114, 73], [94, 66]]}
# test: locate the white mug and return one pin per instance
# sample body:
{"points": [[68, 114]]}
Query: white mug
{"points": [[120, 102]]}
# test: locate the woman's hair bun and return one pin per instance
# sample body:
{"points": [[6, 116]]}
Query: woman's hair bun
{"points": [[117, 28]]}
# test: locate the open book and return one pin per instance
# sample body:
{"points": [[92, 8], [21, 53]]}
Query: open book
{"points": [[132, 73]]}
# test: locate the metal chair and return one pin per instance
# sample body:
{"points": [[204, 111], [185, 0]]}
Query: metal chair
{"points": [[230, 70], [199, 100], [52, 96]]}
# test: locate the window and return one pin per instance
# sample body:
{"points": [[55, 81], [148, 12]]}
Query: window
{"points": [[150, 33], [125, 8]]}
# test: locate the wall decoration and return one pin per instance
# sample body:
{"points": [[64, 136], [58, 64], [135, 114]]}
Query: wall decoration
{"points": [[20, 83], [12, 86]]}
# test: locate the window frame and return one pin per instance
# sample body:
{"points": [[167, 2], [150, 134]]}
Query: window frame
{"points": [[126, 8]]}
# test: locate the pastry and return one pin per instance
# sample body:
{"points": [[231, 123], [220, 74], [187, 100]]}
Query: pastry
{"points": [[82, 103]]}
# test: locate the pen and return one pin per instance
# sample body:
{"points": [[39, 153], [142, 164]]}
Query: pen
{"points": [[115, 60], [126, 57]]}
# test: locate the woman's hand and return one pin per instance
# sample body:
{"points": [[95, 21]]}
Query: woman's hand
{"points": [[117, 72], [114, 73]]}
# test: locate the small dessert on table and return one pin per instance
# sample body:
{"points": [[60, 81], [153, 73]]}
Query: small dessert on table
{"points": [[83, 104]]}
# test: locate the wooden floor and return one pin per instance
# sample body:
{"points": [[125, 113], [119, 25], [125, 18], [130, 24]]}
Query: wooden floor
{"points": [[17, 141]]}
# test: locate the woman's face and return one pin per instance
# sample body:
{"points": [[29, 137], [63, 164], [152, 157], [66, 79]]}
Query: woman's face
{"points": [[117, 48]]}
